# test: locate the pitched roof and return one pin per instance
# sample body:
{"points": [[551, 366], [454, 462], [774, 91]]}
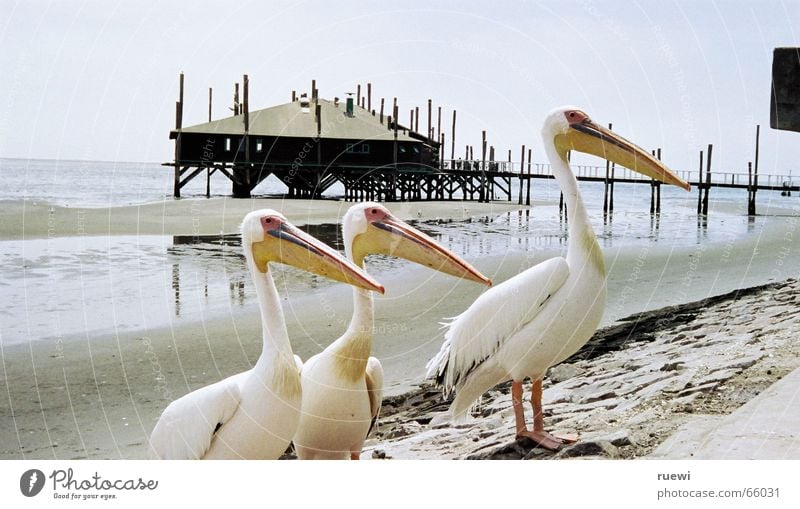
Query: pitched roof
{"points": [[287, 120]]}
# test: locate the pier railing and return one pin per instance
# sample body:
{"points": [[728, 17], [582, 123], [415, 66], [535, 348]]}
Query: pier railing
{"points": [[618, 173]]}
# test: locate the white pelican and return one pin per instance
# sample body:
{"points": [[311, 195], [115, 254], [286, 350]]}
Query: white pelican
{"points": [[543, 315], [343, 385], [253, 415]]}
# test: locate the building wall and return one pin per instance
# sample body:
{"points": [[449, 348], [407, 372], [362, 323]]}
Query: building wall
{"points": [[199, 148]]}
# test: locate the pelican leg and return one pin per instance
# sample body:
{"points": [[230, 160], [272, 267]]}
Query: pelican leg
{"points": [[539, 436], [355, 455], [538, 417]]}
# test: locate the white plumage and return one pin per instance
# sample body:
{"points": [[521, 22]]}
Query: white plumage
{"points": [[540, 317], [343, 385], [254, 414]]}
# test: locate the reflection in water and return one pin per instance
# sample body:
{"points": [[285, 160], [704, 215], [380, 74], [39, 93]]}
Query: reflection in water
{"points": [[198, 260]]}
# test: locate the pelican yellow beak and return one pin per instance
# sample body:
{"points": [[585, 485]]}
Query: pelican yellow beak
{"points": [[586, 136], [287, 244], [391, 236]]}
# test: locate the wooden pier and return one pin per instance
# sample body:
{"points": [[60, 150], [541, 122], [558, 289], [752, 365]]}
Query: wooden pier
{"points": [[311, 144]]}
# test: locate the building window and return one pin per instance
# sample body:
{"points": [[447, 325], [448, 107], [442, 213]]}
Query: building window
{"points": [[258, 145], [227, 144], [357, 148]]}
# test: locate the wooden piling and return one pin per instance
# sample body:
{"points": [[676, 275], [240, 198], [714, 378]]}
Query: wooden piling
{"points": [[246, 111], [439, 125], [178, 125], [708, 180], [658, 186], [751, 202], [430, 119], [381, 110], [606, 183], [394, 113], [453, 138], [411, 123], [294, 95], [700, 186], [482, 194], [521, 170], [369, 96], [358, 94], [313, 90], [236, 99], [755, 170], [416, 119], [210, 93], [652, 190], [441, 150], [528, 192]]}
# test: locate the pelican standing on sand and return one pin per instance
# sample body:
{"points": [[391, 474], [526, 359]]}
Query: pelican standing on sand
{"points": [[253, 415], [542, 316], [343, 385]]}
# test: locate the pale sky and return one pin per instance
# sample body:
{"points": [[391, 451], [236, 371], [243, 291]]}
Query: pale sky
{"points": [[98, 79]]}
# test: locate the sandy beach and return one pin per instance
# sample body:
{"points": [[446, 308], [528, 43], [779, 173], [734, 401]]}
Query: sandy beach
{"points": [[98, 394]]}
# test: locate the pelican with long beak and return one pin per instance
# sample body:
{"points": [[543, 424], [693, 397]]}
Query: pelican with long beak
{"points": [[540, 317], [254, 415], [343, 385]]}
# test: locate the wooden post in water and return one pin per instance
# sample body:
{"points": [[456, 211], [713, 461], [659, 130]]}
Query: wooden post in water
{"points": [[358, 94], [453, 138], [521, 170], [482, 194], [755, 170], [606, 182], [416, 119], [490, 181], [246, 111], [658, 187], [176, 192], [369, 96], [700, 186], [294, 95], [394, 115], [652, 190], [708, 180], [439, 125], [611, 188], [235, 99], [381, 110], [751, 205], [528, 192], [313, 90], [209, 171], [430, 119], [441, 150]]}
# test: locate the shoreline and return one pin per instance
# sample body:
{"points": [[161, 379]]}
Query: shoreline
{"points": [[20, 220]]}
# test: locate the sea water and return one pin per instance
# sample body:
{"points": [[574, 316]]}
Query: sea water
{"points": [[60, 287]]}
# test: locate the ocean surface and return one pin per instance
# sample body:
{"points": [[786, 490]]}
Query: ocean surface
{"points": [[81, 286]]}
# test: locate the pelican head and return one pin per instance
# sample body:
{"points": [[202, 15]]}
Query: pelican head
{"points": [[572, 129], [268, 237], [369, 228]]}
